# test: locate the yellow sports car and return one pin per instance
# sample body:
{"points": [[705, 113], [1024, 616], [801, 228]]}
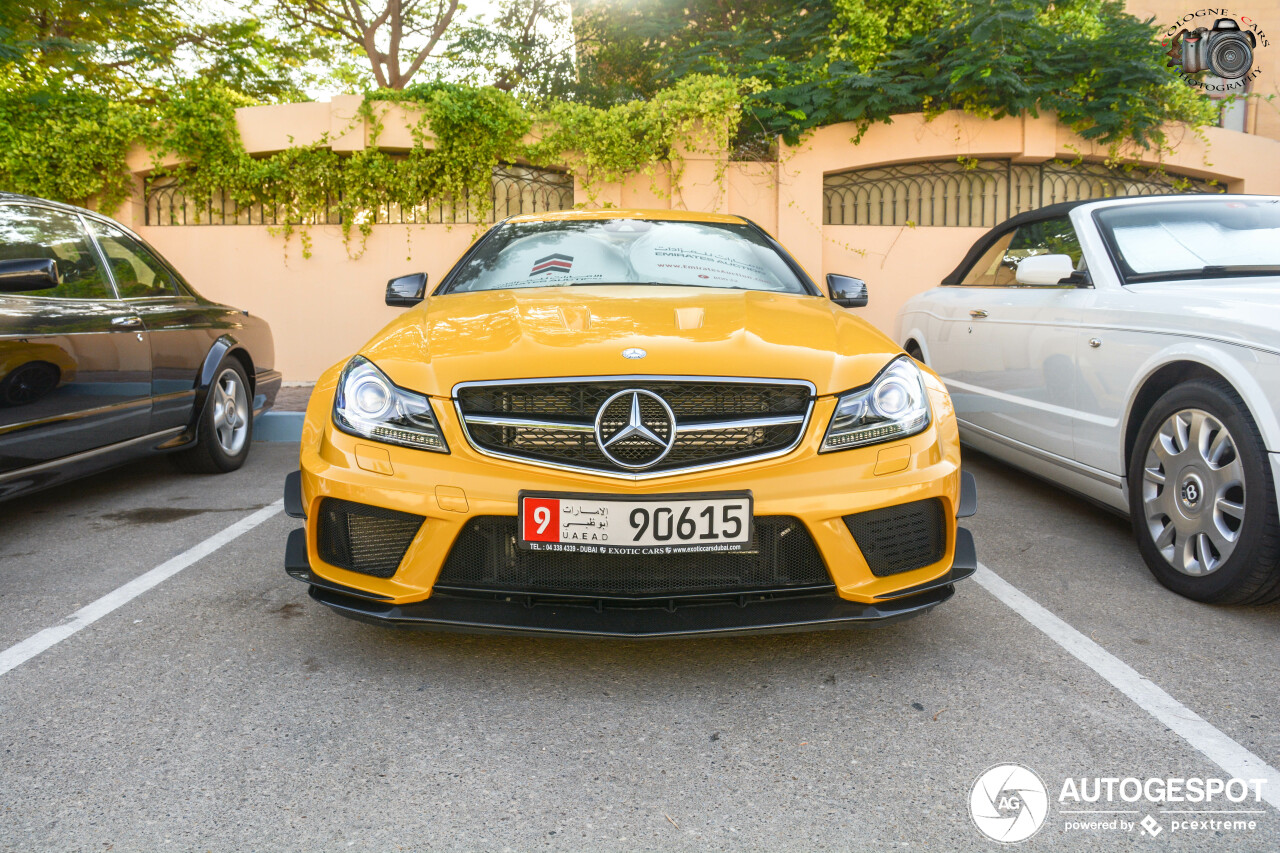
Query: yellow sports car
{"points": [[631, 424]]}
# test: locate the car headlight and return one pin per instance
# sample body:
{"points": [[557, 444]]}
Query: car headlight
{"points": [[895, 405], [368, 405]]}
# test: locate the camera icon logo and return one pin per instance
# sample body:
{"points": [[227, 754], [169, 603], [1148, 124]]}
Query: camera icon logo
{"points": [[1225, 50]]}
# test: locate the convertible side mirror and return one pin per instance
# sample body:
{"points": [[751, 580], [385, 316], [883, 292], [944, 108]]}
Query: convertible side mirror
{"points": [[1045, 270], [847, 291], [25, 274], [407, 290]]}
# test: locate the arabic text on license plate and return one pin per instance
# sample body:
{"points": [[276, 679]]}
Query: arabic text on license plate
{"points": [[656, 524]]}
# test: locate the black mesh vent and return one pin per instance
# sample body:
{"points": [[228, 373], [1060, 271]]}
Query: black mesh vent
{"points": [[366, 539], [900, 538], [485, 556], [692, 402]]}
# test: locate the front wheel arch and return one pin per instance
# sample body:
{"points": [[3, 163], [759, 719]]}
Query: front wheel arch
{"points": [[1159, 383]]}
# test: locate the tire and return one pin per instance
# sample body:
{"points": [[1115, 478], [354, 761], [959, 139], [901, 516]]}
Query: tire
{"points": [[1202, 498], [913, 349], [225, 430]]}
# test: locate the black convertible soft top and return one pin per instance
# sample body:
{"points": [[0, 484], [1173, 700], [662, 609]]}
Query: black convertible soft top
{"points": [[984, 242]]}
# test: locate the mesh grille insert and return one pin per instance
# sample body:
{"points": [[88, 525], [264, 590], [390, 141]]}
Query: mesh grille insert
{"points": [[366, 539], [688, 399], [485, 556], [900, 538]]}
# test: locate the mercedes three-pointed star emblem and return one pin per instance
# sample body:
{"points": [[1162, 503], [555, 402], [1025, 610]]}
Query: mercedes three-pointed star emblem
{"points": [[628, 437]]}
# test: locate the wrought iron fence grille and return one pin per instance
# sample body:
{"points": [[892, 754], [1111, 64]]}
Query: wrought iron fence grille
{"points": [[982, 193], [514, 189]]}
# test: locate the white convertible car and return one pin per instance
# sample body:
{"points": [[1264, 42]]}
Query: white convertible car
{"points": [[1129, 350]]}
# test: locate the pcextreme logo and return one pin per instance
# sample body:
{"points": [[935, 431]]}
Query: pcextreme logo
{"points": [[1009, 803]]}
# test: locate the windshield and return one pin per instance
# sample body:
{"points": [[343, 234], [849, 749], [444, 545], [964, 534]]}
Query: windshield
{"points": [[1201, 240], [560, 253]]}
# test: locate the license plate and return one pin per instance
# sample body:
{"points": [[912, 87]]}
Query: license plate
{"points": [[654, 524]]}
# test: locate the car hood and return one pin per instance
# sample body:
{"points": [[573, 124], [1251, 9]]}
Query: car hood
{"points": [[684, 331], [1243, 310]]}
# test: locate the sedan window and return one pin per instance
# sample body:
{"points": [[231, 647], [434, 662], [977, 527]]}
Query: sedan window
{"points": [[138, 273], [28, 232]]}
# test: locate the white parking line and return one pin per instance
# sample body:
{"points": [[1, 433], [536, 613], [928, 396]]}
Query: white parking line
{"points": [[1190, 726], [20, 653]]}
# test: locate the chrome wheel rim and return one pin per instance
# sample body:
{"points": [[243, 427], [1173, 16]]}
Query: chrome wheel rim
{"points": [[1193, 492], [230, 412]]}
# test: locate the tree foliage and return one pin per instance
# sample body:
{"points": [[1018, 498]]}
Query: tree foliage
{"points": [[140, 49], [865, 61]]}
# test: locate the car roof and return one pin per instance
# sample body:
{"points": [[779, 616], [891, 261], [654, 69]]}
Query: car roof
{"points": [[612, 213], [1054, 211], [70, 208]]}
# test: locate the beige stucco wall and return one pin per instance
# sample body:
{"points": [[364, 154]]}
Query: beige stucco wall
{"points": [[323, 308], [900, 261], [320, 309]]}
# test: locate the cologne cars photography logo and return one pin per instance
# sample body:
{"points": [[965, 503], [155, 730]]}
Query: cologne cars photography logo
{"points": [[1008, 803], [1219, 42]]}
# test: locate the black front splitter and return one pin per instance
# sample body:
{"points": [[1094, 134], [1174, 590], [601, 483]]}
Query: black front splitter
{"points": [[472, 615]]}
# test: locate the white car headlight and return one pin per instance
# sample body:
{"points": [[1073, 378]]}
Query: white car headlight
{"points": [[369, 405], [894, 406]]}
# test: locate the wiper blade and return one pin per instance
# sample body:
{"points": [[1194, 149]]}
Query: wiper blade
{"points": [[1210, 271]]}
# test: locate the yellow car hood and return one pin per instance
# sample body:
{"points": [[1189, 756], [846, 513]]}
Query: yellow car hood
{"points": [[582, 331]]}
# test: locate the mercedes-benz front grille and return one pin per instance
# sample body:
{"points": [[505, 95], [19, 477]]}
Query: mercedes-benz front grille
{"points": [[635, 426]]}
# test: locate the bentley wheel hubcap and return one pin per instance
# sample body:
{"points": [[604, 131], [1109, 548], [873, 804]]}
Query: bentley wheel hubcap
{"points": [[1193, 492]]}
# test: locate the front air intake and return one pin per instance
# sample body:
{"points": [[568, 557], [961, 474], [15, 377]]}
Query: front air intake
{"points": [[485, 556], [365, 539], [900, 538]]}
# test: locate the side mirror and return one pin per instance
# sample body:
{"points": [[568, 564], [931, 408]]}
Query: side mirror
{"points": [[847, 291], [28, 274], [407, 290], [1044, 269]]}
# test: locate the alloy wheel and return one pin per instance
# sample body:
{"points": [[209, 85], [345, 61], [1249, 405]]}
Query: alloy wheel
{"points": [[1193, 492], [230, 412]]}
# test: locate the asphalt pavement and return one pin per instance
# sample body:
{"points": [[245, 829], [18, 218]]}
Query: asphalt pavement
{"points": [[221, 709]]}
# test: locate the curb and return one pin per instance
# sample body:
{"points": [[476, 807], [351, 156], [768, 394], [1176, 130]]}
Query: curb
{"points": [[278, 426]]}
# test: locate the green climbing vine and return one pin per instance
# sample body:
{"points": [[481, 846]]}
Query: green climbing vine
{"points": [[74, 148], [75, 145]]}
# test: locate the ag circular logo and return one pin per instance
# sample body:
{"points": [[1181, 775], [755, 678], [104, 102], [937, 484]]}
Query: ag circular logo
{"points": [[1008, 803], [635, 429]]}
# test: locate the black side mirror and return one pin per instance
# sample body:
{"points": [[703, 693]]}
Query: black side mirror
{"points": [[407, 290], [847, 291], [28, 274]]}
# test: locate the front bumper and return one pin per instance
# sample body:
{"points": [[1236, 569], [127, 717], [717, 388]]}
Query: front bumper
{"points": [[448, 491], [655, 617]]}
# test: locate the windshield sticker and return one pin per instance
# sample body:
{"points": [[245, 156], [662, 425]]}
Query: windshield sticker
{"points": [[552, 263], [685, 254]]}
